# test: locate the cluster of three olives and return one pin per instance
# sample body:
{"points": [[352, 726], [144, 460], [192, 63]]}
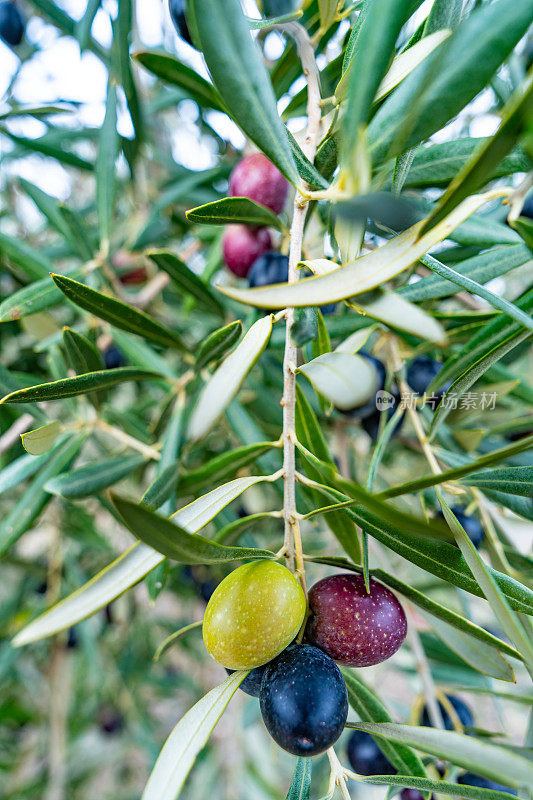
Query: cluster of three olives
{"points": [[251, 622]]}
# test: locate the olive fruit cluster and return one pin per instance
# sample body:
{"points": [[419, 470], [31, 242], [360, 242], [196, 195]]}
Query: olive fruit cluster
{"points": [[12, 24], [251, 622], [256, 178]]}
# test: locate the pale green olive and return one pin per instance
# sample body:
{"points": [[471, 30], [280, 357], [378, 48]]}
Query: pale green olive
{"points": [[253, 614]]}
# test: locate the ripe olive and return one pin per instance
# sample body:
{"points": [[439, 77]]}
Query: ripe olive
{"points": [[355, 628], [258, 179], [472, 526], [252, 683], [461, 709], [253, 614], [469, 779], [242, 246], [303, 700], [365, 757]]}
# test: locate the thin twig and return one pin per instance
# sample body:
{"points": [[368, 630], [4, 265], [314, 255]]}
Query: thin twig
{"points": [[129, 441], [288, 402], [12, 435]]}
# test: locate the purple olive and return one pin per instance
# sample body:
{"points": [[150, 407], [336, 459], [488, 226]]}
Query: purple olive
{"points": [[354, 628]]}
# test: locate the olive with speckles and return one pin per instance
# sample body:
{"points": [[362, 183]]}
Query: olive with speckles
{"points": [[303, 700], [253, 614], [354, 628]]}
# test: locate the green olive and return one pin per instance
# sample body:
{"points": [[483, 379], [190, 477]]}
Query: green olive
{"points": [[253, 614]]}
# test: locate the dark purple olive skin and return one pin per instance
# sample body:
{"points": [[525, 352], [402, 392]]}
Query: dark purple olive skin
{"points": [[421, 372], [113, 358], [365, 757], [472, 526], [179, 18], [303, 700], [527, 208], [11, 24], [354, 628], [411, 794], [469, 779], [252, 683], [461, 709], [272, 268], [371, 423]]}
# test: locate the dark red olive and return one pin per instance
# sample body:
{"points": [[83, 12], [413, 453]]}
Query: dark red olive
{"points": [[354, 628], [258, 179], [242, 246]]}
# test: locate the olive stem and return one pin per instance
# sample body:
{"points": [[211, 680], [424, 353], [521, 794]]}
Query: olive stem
{"points": [[339, 775], [422, 667], [293, 544], [129, 441]]}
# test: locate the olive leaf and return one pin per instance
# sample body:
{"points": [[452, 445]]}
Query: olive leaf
{"points": [[224, 384], [130, 567], [187, 739]]}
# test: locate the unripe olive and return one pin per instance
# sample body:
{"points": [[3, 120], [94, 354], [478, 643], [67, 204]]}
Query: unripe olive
{"points": [[253, 614]]}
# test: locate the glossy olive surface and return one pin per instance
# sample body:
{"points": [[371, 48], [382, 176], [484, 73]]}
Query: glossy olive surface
{"points": [[242, 246], [365, 757], [472, 526], [252, 683], [303, 700], [354, 628], [253, 614], [463, 712], [258, 179]]}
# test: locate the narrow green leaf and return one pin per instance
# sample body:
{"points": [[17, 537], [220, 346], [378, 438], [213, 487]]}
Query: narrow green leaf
{"points": [[173, 71], [234, 210], [511, 625], [483, 758], [82, 354], [480, 268], [301, 780], [92, 478], [105, 168], [222, 467], [131, 567], [187, 739], [33, 500], [478, 655], [81, 384], [442, 787], [225, 382], [370, 709], [37, 296], [373, 54], [511, 480], [217, 343], [471, 375], [117, 313], [20, 469], [472, 286], [516, 116], [41, 440], [163, 487], [449, 78], [32, 263], [186, 280], [240, 76], [176, 543], [174, 637]]}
